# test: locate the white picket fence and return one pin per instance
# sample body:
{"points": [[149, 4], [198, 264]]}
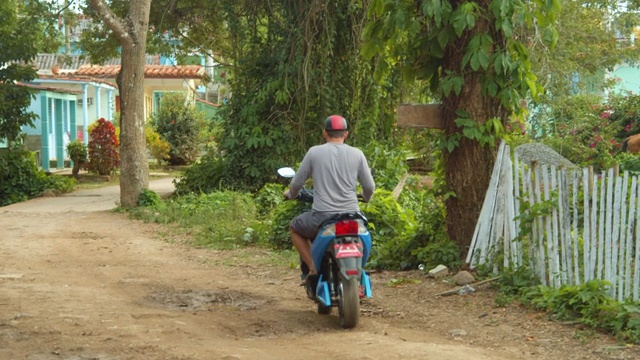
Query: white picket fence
{"points": [[570, 242]]}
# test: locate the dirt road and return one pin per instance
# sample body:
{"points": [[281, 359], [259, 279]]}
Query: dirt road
{"points": [[80, 282]]}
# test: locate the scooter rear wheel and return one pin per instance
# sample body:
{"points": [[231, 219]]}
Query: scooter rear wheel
{"points": [[349, 305]]}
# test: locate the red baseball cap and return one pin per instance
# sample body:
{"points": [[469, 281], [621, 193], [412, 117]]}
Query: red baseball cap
{"points": [[335, 122]]}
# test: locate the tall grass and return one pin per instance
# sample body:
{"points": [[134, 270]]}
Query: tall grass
{"points": [[219, 220]]}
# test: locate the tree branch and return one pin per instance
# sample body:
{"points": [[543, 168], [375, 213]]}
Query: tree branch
{"points": [[112, 20]]}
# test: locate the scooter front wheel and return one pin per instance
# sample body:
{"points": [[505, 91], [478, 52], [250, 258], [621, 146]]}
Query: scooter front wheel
{"points": [[349, 302], [324, 310]]}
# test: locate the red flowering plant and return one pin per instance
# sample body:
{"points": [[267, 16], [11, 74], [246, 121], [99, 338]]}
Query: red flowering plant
{"points": [[624, 114], [104, 153], [582, 131]]}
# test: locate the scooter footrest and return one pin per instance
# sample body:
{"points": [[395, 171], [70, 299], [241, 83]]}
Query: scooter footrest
{"points": [[366, 284], [322, 292]]}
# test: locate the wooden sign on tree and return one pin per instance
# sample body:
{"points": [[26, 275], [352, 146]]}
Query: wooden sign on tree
{"points": [[423, 116]]}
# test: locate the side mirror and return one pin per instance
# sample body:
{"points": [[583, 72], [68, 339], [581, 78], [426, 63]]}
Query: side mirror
{"points": [[286, 172]]}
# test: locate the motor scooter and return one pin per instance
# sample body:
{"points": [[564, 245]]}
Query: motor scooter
{"points": [[340, 251]]}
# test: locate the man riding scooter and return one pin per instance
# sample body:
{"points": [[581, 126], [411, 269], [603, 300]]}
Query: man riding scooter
{"points": [[335, 167]]}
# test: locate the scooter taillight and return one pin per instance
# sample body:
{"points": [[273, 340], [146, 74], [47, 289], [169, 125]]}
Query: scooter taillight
{"points": [[346, 227]]}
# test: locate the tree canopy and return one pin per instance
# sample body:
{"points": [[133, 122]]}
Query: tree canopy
{"points": [[24, 33]]}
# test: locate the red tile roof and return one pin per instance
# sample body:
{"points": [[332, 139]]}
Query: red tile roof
{"points": [[150, 71]]}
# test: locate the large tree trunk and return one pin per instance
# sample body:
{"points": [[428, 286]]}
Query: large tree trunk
{"points": [[132, 34], [468, 166], [134, 167]]}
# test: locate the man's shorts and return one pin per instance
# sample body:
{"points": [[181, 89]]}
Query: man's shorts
{"points": [[307, 223]]}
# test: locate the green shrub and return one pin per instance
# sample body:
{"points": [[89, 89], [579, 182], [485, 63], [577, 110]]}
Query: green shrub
{"points": [[180, 125], [269, 197], [280, 220], [104, 155], [59, 184], [149, 198], [21, 180], [205, 176], [589, 304], [393, 229], [77, 151], [628, 162], [409, 231], [444, 252], [389, 164], [158, 148]]}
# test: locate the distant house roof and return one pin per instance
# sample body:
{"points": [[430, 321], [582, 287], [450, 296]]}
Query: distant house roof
{"points": [[150, 71], [73, 62], [50, 88], [73, 77]]}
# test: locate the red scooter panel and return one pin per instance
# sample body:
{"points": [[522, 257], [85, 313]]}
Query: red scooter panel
{"points": [[348, 250]]}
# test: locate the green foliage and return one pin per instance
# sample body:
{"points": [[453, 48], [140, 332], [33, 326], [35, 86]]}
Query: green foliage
{"points": [[590, 133], [574, 302], [149, 198], [629, 162], [104, 155], [220, 220], [77, 151], [18, 34], [21, 180], [280, 219], [388, 163], [284, 84], [269, 198], [408, 233], [206, 176], [59, 184], [158, 148], [581, 132], [622, 111], [441, 252], [179, 125], [584, 52], [589, 304], [486, 134], [392, 230], [418, 38]]}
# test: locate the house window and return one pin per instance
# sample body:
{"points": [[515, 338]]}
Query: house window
{"points": [[157, 99]]}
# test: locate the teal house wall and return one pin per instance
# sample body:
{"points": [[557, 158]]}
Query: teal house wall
{"points": [[628, 79], [53, 129], [210, 109]]}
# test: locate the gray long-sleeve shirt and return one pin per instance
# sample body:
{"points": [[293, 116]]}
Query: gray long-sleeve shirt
{"points": [[335, 168]]}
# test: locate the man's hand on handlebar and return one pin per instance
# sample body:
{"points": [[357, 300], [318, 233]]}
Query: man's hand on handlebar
{"points": [[287, 194]]}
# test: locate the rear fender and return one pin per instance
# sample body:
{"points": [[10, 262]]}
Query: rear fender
{"points": [[350, 267], [326, 236]]}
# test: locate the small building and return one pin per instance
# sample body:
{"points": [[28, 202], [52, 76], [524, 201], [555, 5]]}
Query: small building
{"points": [[159, 79], [95, 98], [54, 128], [72, 94]]}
